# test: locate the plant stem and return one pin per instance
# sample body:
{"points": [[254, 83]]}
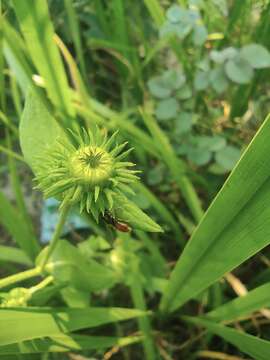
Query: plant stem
{"points": [[56, 236], [41, 285], [144, 323], [9, 280]]}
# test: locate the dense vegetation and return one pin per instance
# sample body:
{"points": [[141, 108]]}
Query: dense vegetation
{"points": [[123, 232]]}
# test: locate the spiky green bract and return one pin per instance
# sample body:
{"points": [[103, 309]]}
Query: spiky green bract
{"points": [[127, 211], [89, 171]]}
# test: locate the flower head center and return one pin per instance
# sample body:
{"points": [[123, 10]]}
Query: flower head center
{"points": [[92, 160], [91, 165]]}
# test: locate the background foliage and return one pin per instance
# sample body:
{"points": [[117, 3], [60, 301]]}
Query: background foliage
{"points": [[187, 85]]}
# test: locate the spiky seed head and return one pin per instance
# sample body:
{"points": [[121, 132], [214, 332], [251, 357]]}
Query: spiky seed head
{"points": [[90, 172]]}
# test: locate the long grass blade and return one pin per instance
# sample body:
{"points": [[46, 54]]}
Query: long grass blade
{"points": [[235, 227], [30, 323], [257, 348], [34, 20]]}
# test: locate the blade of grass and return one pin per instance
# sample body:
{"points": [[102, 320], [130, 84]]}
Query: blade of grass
{"points": [[75, 34], [161, 209], [14, 255], [15, 225], [156, 11], [67, 343], [34, 20], [176, 166], [235, 227], [31, 323], [255, 300], [258, 348], [16, 186], [2, 64], [138, 299]]}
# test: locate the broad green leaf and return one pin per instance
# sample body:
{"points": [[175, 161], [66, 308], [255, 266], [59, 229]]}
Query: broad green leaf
{"points": [[68, 265], [239, 71], [15, 225], [64, 343], [235, 227], [258, 348], [242, 306], [37, 29], [30, 323], [167, 109], [256, 55], [12, 254], [128, 212], [38, 130]]}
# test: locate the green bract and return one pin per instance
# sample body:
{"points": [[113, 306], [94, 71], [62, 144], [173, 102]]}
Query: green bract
{"points": [[89, 171]]}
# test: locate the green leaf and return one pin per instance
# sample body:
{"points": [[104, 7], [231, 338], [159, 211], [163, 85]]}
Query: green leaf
{"points": [[175, 13], [159, 88], [242, 306], [130, 213], [220, 57], [184, 93], [15, 225], [174, 79], [38, 32], [199, 35], [211, 143], [201, 80], [167, 109], [218, 79], [239, 71], [183, 123], [176, 166], [38, 130], [12, 254], [258, 348], [64, 343], [227, 157], [256, 55], [68, 265], [30, 323], [199, 156], [235, 227]]}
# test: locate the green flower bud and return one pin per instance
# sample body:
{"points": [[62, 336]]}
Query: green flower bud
{"points": [[90, 171]]}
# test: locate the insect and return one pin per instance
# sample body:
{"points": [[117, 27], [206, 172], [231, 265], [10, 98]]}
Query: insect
{"points": [[118, 225]]}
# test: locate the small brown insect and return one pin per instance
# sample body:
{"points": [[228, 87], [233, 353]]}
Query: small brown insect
{"points": [[118, 225]]}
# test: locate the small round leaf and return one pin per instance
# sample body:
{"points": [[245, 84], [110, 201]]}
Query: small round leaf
{"points": [[227, 157], [256, 55], [167, 109], [239, 71]]}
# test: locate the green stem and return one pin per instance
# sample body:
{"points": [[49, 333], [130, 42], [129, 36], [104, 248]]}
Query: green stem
{"points": [[41, 285], [144, 323], [9, 280], [11, 153], [56, 236]]}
